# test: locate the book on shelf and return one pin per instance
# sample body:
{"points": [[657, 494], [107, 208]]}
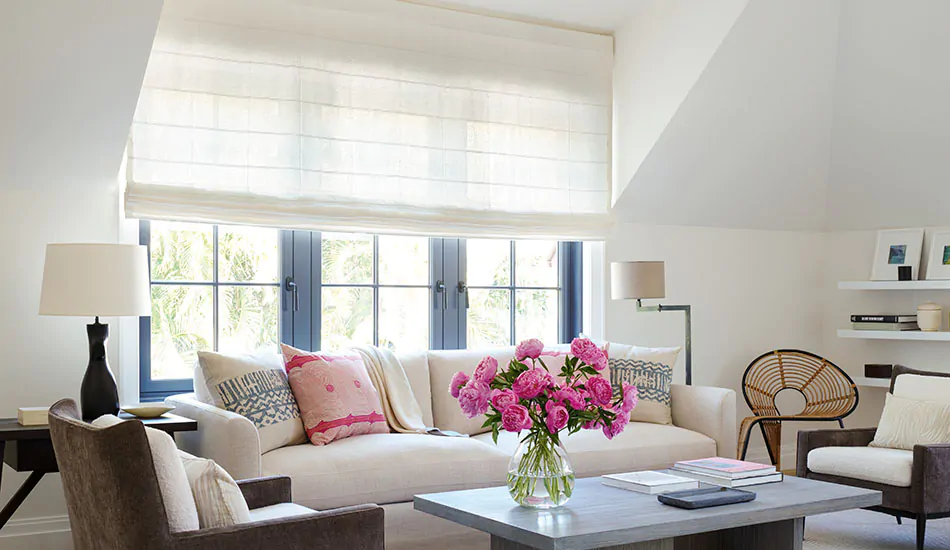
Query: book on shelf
{"points": [[894, 327], [650, 483], [732, 483], [725, 467], [884, 318]]}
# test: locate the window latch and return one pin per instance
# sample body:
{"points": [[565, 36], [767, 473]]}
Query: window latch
{"points": [[291, 286], [440, 288], [463, 291]]}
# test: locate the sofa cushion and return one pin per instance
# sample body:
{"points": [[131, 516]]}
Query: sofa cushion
{"points": [[384, 468], [446, 413], [641, 446], [651, 371], [875, 464], [923, 388], [416, 365]]}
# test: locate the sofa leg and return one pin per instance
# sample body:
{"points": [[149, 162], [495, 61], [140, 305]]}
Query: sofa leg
{"points": [[921, 530], [899, 522]]}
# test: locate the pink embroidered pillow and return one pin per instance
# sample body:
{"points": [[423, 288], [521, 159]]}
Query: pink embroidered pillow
{"points": [[335, 395]]}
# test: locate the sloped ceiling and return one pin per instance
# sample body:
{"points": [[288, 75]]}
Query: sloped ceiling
{"points": [[72, 73], [749, 145]]}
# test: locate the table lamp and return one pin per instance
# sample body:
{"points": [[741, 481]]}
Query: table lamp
{"points": [[647, 281], [93, 280]]}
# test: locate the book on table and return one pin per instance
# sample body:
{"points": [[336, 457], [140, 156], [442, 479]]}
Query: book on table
{"points": [[650, 483], [732, 483], [725, 467]]}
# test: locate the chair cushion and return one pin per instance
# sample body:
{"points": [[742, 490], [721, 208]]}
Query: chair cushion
{"points": [[923, 388], [908, 422], [385, 468], [173, 484], [446, 413], [875, 464], [641, 446], [218, 498], [283, 510], [254, 386], [336, 397]]}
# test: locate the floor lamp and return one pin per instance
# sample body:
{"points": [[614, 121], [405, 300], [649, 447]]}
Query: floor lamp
{"points": [[647, 281]]}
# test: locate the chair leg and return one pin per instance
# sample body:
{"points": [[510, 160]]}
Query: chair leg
{"points": [[772, 434], [921, 530], [841, 423], [899, 522]]}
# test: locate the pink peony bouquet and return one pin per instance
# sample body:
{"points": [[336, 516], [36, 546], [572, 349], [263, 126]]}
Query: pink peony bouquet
{"points": [[528, 396]]}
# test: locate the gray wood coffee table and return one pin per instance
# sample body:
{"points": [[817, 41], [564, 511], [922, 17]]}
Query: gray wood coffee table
{"points": [[601, 517]]}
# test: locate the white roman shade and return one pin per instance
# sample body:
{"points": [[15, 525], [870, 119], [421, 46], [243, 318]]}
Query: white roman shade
{"points": [[372, 115]]}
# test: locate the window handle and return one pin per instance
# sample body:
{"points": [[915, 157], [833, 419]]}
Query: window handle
{"points": [[440, 288], [463, 290], [291, 286]]}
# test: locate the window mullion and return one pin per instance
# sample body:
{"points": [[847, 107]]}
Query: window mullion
{"points": [[512, 286], [437, 315], [216, 288], [375, 290]]}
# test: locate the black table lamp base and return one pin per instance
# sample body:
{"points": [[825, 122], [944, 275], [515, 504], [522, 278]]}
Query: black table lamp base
{"points": [[99, 394]]}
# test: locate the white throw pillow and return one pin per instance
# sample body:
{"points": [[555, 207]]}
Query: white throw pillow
{"points": [[255, 386], [651, 371], [172, 482], [218, 497], [908, 422]]}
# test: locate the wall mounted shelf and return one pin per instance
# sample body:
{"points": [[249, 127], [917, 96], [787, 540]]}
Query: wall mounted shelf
{"points": [[872, 382], [894, 285], [895, 335]]}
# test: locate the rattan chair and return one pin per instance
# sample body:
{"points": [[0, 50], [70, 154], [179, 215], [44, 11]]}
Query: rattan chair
{"points": [[830, 395]]}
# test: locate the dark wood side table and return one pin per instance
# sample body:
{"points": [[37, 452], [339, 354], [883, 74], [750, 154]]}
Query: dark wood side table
{"points": [[30, 449]]}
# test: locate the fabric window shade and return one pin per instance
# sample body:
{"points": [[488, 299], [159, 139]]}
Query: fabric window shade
{"points": [[372, 115]]}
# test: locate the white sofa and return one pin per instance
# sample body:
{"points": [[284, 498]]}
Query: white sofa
{"points": [[388, 469]]}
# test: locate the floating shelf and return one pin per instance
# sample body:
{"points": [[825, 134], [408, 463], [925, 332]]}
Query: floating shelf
{"points": [[872, 382], [894, 285], [894, 335]]}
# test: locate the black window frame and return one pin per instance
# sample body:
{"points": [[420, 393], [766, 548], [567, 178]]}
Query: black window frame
{"points": [[300, 263]]}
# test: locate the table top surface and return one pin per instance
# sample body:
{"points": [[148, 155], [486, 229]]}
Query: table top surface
{"points": [[599, 516], [11, 430]]}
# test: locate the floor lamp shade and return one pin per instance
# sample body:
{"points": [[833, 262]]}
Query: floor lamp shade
{"points": [[93, 280], [637, 280]]}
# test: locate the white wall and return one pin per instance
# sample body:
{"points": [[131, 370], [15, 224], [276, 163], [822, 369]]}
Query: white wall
{"points": [[751, 291], [72, 74]]}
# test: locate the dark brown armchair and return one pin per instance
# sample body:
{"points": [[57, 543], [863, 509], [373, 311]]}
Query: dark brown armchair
{"points": [[928, 493], [114, 501]]}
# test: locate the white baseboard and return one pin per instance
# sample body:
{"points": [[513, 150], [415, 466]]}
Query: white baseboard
{"points": [[35, 526]]}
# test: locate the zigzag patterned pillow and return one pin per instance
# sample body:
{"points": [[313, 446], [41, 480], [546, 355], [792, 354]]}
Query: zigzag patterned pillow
{"points": [[651, 371], [255, 386]]}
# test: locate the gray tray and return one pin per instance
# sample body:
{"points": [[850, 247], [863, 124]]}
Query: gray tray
{"points": [[705, 498]]}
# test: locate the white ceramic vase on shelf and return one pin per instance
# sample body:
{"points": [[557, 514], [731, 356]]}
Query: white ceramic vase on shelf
{"points": [[930, 317]]}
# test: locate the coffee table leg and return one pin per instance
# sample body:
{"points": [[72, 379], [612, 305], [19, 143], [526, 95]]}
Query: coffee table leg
{"points": [[778, 535], [498, 543]]}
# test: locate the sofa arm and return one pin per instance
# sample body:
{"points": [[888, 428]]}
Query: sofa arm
{"points": [[930, 480], [709, 411], [225, 437], [354, 527], [809, 440], [265, 491]]}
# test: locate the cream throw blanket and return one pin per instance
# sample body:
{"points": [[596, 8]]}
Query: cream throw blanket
{"points": [[400, 407]]}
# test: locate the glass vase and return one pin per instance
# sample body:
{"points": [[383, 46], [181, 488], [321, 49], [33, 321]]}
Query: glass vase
{"points": [[540, 473]]}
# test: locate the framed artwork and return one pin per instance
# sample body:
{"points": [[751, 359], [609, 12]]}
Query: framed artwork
{"points": [[897, 247], [939, 265]]}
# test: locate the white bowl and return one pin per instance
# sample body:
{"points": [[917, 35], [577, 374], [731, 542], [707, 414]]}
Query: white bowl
{"points": [[147, 410]]}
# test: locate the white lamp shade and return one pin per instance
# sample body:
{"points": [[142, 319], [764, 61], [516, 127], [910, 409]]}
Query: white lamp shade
{"points": [[88, 280], [637, 280]]}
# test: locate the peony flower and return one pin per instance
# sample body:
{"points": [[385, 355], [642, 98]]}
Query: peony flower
{"points": [[593, 424], [556, 417], [630, 399], [597, 360], [531, 383], [473, 398], [458, 380], [516, 418], [586, 350], [486, 369], [570, 396], [617, 426], [600, 391], [502, 399], [530, 348]]}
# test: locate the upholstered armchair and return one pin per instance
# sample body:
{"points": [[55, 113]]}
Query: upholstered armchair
{"points": [[915, 484], [114, 500]]}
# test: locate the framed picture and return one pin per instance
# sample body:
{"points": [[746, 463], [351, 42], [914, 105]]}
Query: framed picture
{"points": [[895, 248], [939, 265]]}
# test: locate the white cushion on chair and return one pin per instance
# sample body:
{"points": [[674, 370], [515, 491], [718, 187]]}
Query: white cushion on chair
{"points": [[283, 510], [875, 464], [923, 388]]}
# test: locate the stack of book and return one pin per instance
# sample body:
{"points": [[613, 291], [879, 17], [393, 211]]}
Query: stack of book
{"points": [[726, 472], [884, 322], [650, 483]]}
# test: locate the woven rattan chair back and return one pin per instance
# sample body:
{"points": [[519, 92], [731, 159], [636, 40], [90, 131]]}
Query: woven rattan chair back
{"points": [[829, 393]]}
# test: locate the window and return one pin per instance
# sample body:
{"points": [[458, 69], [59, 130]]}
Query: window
{"points": [[241, 289]]}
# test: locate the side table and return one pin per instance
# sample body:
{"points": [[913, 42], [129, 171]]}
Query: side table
{"points": [[30, 449]]}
